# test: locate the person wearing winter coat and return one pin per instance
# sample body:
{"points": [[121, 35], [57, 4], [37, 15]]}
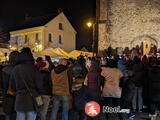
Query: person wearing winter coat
{"points": [[93, 81], [24, 74], [121, 65], [94, 84], [128, 91], [139, 81], [51, 65], [9, 95], [145, 67], [153, 87], [80, 93], [45, 89], [111, 91], [60, 89]]}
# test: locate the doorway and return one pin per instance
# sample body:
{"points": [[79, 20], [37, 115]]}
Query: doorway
{"points": [[147, 44]]}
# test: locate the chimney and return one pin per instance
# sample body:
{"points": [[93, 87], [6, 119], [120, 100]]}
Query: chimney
{"points": [[60, 10]]}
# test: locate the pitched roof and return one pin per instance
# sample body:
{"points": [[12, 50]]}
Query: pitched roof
{"points": [[35, 21]]}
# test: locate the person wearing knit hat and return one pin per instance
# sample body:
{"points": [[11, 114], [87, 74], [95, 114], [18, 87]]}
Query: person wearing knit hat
{"points": [[8, 92], [46, 87], [26, 74]]}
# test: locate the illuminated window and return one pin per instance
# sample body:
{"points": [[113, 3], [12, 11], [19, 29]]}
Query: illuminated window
{"points": [[60, 26], [50, 37]]}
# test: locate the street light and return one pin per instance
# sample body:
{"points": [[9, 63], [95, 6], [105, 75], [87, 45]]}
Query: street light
{"points": [[91, 24]]}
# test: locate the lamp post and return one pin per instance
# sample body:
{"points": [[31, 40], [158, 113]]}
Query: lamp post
{"points": [[92, 25]]}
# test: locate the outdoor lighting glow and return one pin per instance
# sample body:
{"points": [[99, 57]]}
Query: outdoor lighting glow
{"points": [[89, 24], [38, 47], [13, 48]]}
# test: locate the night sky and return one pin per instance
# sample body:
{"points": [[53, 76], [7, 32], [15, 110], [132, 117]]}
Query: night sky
{"points": [[13, 12]]}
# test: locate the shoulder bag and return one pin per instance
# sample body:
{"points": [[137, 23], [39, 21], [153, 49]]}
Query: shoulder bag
{"points": [[37, 100]]}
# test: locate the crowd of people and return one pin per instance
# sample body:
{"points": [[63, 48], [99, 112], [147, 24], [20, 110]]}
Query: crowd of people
{"points": [[30, 86]]}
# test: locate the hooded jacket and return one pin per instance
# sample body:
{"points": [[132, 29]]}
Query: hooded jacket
{"points": [[154, 83], [121, 65], [78, 70], [9, 100], [45, 83], [25, 71], [60, 81], [138, 75], [112, 79]]}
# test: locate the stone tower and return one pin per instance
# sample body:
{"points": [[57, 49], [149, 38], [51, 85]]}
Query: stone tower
{"points": [[102, 14], [127, 23]]}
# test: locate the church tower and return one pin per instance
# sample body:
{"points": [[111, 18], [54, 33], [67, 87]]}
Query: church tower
{"points": [[103, 24], [128, 23]]}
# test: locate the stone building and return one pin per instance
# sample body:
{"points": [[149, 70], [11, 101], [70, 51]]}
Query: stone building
{"points": [[127, 23]]}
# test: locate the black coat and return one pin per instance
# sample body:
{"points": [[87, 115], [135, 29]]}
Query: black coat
{"points": [[138, 75], [79, 70], [6, 72], [28, 72], [1, 67], [154, 83], [145, 84], [8, 103], [128, 89], [45, 83]]}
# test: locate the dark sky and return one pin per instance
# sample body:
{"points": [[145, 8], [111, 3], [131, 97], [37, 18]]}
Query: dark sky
{"points": [[12, 12]]}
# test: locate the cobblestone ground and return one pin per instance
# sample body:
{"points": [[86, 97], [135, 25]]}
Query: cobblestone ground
{"points": [[138, 116]]}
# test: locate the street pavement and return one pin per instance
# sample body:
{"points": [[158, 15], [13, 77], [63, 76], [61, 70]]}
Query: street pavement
{"points": [[138, 116]]}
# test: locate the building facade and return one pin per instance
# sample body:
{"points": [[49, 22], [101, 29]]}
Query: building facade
{"points": [[128, 23], [57, 32]]}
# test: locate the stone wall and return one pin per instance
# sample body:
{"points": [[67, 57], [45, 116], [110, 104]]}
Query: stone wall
{"points": [[131, 22]]}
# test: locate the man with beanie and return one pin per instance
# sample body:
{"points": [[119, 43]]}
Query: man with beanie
{"points": [[60, 89]]}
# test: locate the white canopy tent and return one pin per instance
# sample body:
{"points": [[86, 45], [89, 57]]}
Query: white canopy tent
{"points": [[49, 52], [61, 52], [75, 53]]}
